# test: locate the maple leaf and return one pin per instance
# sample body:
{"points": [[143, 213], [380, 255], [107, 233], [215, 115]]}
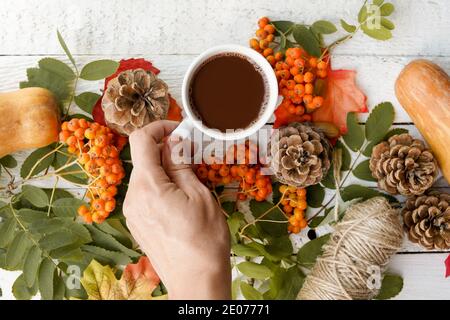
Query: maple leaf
{"points": [[447, 266], [342, 96], [137, 282], [174, 112]]}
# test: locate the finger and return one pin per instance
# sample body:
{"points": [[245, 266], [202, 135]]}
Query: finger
{"points": [[144, 142], [180, 173]]}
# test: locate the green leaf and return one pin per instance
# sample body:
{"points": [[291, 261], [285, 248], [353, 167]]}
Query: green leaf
{"points": [[59, 287], [46, 225], [304, 37], [378, 2], [271, 212], [8, 161], [388, 24], [45, 279], [234, 223], [79, 230], [104, 256], [108, 242], [315, 195], [250, 293], [354, 138], [391, 286], [244, 250], [7, 230], [65, 48], [380, 33], [286, 283], [30, 216], [71, 252], [17, 250], [254, 270], [362, 15], [61, 160], [67, 207], [356, 191], [346, 157], [36, 196], [21, 290], [348, 27], [328, 180], [116, 229], [324, 27], [280, 247], [379, 121], [363, 172], [58, 194], [100, 69], [32, 159], [387, 9], [86, 101], [368, 150], [31, 265], [56, 240], [283, 26], [57, 67], [308, 254]]}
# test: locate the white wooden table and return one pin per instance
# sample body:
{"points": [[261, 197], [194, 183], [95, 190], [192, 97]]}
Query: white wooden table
{"points": [[171, 33]]}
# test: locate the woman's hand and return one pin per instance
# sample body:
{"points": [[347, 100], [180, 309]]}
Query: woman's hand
{"points": [[176, 220]]}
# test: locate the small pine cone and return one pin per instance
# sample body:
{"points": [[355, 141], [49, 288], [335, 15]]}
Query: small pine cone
{"points": [[427, 220], [300, 155], [133, 99], [403, 165]]}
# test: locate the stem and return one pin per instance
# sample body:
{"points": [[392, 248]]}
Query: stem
{"points": [[72, 95], [40, 160], [51, 197]]}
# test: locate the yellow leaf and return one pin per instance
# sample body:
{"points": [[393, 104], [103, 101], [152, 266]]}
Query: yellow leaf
{"points": [[100, 282]]}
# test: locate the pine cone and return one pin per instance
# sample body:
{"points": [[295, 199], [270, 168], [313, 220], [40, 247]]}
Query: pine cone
{"points": [[300, 155], [403, 165], [133, 99], [427, 220]]}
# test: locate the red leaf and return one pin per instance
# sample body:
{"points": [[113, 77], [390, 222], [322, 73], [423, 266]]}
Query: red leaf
{"points": [[342, 96], [97, 112], [142, 271], [447, 266], [174, 112]]}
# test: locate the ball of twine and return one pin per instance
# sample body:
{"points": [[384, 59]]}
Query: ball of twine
{"points": [[366, 238]]}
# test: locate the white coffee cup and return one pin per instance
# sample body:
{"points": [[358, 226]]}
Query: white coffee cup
{"points": [[191, 121]]}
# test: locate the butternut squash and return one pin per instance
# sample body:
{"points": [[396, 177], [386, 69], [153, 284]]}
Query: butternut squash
{"points": [[29, 118], [423, 89]]}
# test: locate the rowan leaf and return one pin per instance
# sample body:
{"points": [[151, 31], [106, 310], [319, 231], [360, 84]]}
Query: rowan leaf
{"points": [[354, 138], [56, 240], [254, 270], [315, 195], [283, 26], [106, 256], [17, 250], [249, 292], [356, 191], [243, 250], [8, 161], [7, 231], [45, 279], [391, 286], [67, 207], [31, 265], [86, 101], [270, 212], [348, 27], [100, 69], [286, 283], [305, 37], [309, 252], [363, 172], [36, 196], [368, 150], [57, 67], [65, 48], [22, 291], [30, 166], [379, 121], [324, 27]]}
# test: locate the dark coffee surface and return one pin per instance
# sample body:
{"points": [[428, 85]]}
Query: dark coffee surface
{"points": [[227, 92]]}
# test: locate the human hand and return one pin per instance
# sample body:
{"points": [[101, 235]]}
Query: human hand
{"points": [[176, 220]]}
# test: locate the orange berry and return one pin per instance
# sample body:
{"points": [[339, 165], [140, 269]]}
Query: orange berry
{"points": [[299, 78], [302, 224], [296, 229], [116, 168], [224, 170], [234, 171], [290, 84], [254, 43], [270, 37], [299, 63], [94, 126], [299, 110], [298, 214], [287, 208], [301, 204], [289, 61], [296, 53], [226, 180], [317, 101], [294, 222], [73, 124], [267, 52], [294, 71], [212, 175], [88, 218], [285, 74], [101, 140], [110, 205], [112, 190], [313, 62], [202, 173], [106, 196], [97, 218], [64, 126], [322, 73], [83, 210], [262, 193], [72, 141], [299, 89], [250, 177], [307, 98], [308, 76], [271, 60], [111, 178], [263, 44], [278, 56], [301, 193], [64, 135], [309, 88], [261, 183], [261, 34], [279, 65], [292, 109], [98, 204], [322, 65], [79, 133], [84, 158], [270, 29], [83, 123], [89, 133], [264, 21]]}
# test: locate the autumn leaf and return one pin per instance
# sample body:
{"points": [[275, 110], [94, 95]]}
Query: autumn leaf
{"points": [[342, 96], [137, 283], [174, 112], [138, 280], [447, 266]]}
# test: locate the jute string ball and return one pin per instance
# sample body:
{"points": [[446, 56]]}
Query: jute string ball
{"points": [[359, 249]]}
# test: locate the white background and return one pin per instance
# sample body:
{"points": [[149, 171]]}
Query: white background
{"points": [[171, 33]]}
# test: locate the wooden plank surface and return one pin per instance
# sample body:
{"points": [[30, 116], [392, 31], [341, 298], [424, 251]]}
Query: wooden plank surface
{"points": [[171, 33]]}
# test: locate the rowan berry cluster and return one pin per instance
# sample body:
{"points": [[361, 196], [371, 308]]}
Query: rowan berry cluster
{"points": [[97, 149], [243, 171], [296, 71], [294, 205]]}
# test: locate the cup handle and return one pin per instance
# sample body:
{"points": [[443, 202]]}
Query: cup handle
{"points": [[184, 129]]}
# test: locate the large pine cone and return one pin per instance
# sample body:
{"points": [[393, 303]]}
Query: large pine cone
{"points": [[403, 165], [133, 99], [427, 220], [300, 155]]}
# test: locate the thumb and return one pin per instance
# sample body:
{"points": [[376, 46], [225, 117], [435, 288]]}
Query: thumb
{"points": [[177, 163]]}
